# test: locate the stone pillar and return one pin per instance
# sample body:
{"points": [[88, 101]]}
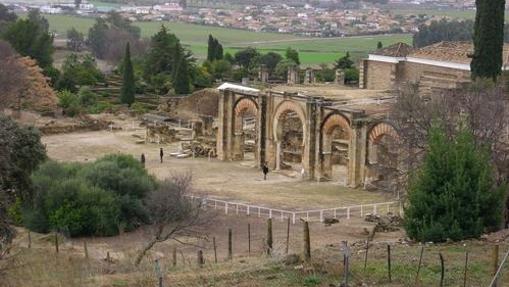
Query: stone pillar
{"points": [[278, 155], [263, 74], [309, 156], [340, 77], [357, 154], [245, 81], [309, 76], [260, 153], [363, 69], [238, 145], [225, 125], [293, 75]]}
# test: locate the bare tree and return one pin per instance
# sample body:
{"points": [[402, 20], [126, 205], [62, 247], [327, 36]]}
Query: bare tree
{"points": [[173, 214], [482, 106]]}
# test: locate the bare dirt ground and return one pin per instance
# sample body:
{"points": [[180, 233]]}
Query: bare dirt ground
{"points": [[233, 181]]}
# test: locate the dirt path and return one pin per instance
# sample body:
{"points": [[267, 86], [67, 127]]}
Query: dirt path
{"points": [[233, 181]]}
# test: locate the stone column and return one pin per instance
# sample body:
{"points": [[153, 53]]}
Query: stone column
{"points": [[309, 76], [309, 156], [278, 155], [340, 77], [261, 137], [225, 125], [357, 154], [293, 75], [263, 74], [363, 69]]}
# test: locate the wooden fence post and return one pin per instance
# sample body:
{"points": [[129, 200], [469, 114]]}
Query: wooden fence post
{"points": [[288, 236], [466, 270], [389, 262], [366, 255], [174, 256], [442, 269], [307, 242], [215, 249], [85, 249], [269, 236], [56, 242], [419, 266], [200, 258], [230, 244], [158, 273], [249, 239], [495, 262], [29, 240]]}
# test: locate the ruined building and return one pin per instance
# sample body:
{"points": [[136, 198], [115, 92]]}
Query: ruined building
{"points": [[322, 132], [444, 65]]}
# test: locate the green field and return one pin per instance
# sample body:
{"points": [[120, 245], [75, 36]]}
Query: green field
{"points": [[313, 51]]}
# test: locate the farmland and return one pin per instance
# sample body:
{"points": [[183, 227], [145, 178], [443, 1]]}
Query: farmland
{"points": [[313, 51]]}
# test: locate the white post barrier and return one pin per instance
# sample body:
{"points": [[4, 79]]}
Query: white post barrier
{"points": [[362, 211], [282, 215], [258, 211], [226, 208], [374, 209], [237, 208], [293, 218], [270, 213], [335, 213], [321, 215], [388, 207], [348, 213], [247, 206]]}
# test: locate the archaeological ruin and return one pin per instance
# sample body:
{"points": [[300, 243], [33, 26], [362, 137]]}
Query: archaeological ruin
{"points": [[321, 132]]}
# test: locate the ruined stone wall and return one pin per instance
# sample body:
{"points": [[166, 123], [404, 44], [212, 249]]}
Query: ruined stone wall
{"points": [[379, 75], [431, 76]]}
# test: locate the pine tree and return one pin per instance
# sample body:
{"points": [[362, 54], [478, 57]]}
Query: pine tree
{"points": [[453, 196], [488, 39], [128, 83]]}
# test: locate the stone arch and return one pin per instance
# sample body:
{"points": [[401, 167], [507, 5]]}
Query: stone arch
{"points": [[245, 111], [244, 106], [382, 158], [379, 130], [284, 107], [335, 147], [334, 120]]}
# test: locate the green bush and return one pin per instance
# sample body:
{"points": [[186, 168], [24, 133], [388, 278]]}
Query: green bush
{"points": [[454, 195], [139, 108], [95, 198]]}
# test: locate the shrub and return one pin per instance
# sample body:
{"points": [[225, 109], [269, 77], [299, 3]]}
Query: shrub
{"points": [[89, 199], [454, 195], [139, 108]]}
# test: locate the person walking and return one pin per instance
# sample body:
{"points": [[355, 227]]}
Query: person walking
{"points": [[161, 154], [265, 170], [142, 159]]}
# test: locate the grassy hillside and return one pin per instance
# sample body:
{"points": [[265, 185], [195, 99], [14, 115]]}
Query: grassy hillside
{"points": [[313, 51]]}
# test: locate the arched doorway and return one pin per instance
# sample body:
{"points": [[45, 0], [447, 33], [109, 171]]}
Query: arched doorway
{"points": [[383, 158], [336, 134], [245, 130], [290, 133]]}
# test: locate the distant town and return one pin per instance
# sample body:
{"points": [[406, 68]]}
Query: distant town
{"points": [[321, 19]]}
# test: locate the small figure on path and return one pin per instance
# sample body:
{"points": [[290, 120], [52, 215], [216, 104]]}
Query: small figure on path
{"points": [[142, 159], [161, 154], [265, 170]]}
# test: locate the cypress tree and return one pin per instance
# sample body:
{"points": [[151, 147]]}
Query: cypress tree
{"points": [[488, 39], [454, 195], [211, 49], [218, 53], [128, 83], [182, 82]]}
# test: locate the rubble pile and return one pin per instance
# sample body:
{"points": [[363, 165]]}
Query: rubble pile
{"points": [[385, 223]]}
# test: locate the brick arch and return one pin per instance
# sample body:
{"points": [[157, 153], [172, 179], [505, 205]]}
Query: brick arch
{"points": [[289, 106], [334, 120], [379, 130], [243, 106]]}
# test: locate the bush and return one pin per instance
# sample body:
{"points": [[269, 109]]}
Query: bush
{"points": [[454, 195], [89, 199], [139, 108]]}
